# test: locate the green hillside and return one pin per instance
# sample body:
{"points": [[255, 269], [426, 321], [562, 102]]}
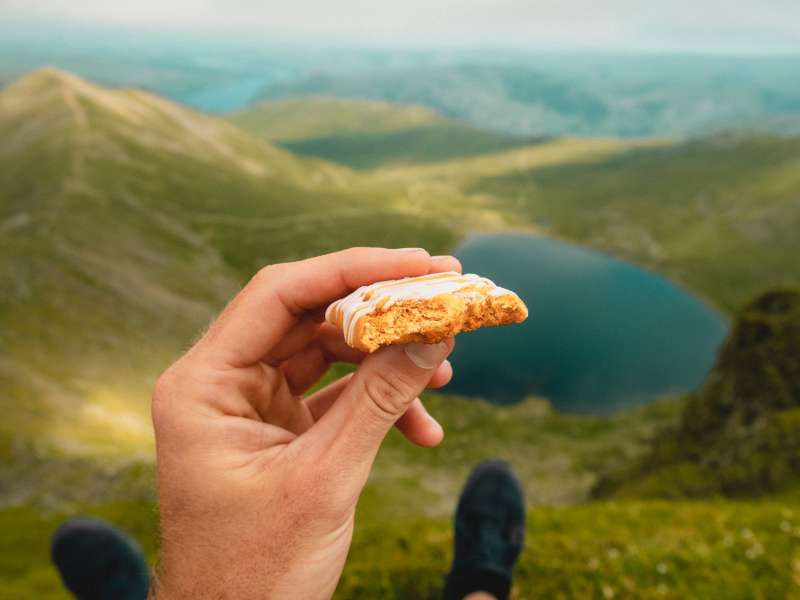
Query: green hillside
{"points": [[322, 116], [717, 214], [127, 222], [366, 134]]}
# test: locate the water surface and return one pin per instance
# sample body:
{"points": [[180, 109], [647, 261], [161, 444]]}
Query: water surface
{"points": [[602, 334]]}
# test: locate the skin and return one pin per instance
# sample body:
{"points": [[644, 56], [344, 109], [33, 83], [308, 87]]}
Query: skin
{"points": [[258, 484]]}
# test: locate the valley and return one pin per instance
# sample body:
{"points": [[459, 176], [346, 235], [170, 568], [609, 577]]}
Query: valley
{"points": [[127, 221]]}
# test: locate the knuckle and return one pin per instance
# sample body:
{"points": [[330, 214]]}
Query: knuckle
{"points": [[389, 393], [161, 391], [356, 251], [163, 398], [266, 274], [270, 275]]}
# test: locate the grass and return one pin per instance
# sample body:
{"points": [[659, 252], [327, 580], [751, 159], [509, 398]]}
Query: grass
{"points": [[636, 549], [25, 569], [403, 539], [411, 489], [602, 550]]}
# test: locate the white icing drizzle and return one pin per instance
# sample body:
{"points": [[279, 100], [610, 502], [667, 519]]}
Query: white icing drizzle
{"points": [[369, 298]]}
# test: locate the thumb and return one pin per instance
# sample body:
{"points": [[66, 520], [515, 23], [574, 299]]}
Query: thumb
{"points": [[379, 393]]}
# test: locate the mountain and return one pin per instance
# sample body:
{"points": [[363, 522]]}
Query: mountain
{"points": [[366, 134], [127, 221], [545, 94], [740, 434]]}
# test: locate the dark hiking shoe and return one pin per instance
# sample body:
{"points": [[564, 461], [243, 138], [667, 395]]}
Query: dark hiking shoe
{"points": [[490, 531], [99, 562]]}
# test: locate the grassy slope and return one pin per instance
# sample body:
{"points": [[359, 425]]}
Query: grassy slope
{"points": [[727, 217], [403, 537], [727, 206], [719, 549], [365, 134], [321, 116], [718, 214], [127, 222]]}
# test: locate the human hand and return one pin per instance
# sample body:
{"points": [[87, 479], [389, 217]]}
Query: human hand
{"points": [[258, 485]]}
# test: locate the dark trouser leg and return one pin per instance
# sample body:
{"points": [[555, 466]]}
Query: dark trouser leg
{"points": [[489, 532]]}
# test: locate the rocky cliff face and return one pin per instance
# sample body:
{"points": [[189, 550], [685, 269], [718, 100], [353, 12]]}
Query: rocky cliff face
{"points": [[740, 434]]}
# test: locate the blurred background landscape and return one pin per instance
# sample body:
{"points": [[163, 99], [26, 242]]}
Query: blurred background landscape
{"points": [[633, 171]]}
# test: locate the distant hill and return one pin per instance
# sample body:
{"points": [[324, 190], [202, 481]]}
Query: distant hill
{"points": [[740, 434], [718, 214], [322, 116], [366, 134], [588, 95], [510, 99]]}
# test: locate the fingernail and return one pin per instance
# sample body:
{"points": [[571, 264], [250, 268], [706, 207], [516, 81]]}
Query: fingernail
{"points": [[409, 249], [442, 257], [426, 356]]}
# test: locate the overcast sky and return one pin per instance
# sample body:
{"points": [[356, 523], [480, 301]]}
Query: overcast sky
{"points": [[714, 25]]}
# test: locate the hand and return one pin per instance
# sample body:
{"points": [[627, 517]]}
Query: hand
{"points": [[258, 485]]}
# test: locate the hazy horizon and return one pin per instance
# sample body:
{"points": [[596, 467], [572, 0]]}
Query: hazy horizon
{"points": [[702, 26]]}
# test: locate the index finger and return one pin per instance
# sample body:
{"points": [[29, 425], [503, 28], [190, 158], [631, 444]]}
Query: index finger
{"points": [[271, 303]]}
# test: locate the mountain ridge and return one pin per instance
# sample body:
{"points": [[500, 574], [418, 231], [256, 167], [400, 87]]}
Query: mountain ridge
{"points": [[597, 95], [319, 116]]}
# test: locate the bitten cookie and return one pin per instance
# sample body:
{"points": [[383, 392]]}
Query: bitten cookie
{"points": [[425, 309]]}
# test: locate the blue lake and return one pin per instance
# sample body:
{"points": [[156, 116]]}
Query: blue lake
{"points": [[602, 334]]}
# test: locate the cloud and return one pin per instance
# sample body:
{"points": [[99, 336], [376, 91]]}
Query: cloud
{"points": [[616, 24]]}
